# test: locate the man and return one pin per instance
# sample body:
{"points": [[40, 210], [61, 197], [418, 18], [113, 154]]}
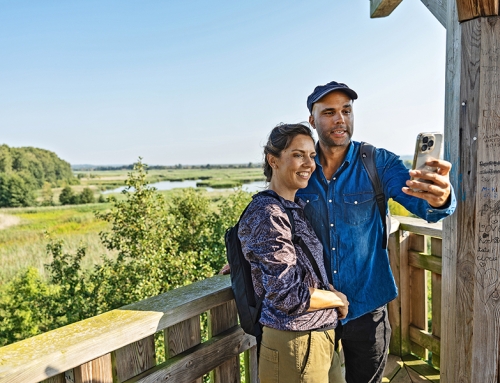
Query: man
{"points": [[342, 208]]}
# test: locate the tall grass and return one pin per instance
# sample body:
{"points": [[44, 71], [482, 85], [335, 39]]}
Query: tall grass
{"points": [[25, 244]]}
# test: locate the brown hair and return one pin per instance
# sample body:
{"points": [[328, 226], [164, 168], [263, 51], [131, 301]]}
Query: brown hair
{"points": [[279, 139]]}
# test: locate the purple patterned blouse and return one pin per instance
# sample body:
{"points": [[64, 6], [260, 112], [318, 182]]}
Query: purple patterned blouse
{"points": [[279, 267]]}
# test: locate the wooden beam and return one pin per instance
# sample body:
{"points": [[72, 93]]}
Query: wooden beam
{"points": [[382, 8], [449, 349], [439, 8], [470, 9]]}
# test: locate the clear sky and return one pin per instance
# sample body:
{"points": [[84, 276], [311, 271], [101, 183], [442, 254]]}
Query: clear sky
{"points": [[198, 82]]}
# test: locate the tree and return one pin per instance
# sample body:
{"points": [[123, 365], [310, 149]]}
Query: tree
{"points": [[67, 196], [47, 195], [15, 191], [87, 196]]}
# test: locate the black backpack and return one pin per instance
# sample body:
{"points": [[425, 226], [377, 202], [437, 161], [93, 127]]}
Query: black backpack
{"points": [[248, 303], [367, 152]]}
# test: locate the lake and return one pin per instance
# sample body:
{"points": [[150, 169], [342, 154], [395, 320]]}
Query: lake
{"points": [[252, 187]]}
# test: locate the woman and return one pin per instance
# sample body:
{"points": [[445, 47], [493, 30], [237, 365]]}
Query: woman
{"points": [[300, 309]]}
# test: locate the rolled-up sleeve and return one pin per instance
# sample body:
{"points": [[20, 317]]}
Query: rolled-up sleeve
{"points": [[266, 241]]}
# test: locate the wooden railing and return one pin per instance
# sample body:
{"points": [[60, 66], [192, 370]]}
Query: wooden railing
{"points": [[119, 346], [415, 256]]}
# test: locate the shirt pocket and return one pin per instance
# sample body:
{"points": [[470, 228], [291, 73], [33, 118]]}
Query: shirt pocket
{"points": [[358, 207]]}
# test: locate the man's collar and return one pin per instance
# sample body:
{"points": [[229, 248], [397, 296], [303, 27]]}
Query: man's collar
{"points": [[348, 157]]}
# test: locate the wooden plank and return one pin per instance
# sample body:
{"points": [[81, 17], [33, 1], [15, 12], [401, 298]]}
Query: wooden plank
{"points": [[200, 359], [99, 370], [419, 226], [486, 325], [425, 261], [439, 8], [401, 377], [470, 9], [452, 134], [133, 359], [182, 336], [425, 339], [221, 318], [405, 293], [382, 8], [394, 307], [392, 367], [60, 378], [462, 317], [418, 295], [251, 366], [419, 369], [45, 355], [436, 282]]}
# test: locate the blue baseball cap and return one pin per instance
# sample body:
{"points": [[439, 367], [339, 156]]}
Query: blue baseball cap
{"points": [[322, 90]]}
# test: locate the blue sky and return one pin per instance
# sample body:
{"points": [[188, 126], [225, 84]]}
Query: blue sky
{"points": [[197, 82]]}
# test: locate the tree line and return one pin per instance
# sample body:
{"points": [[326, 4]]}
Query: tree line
{"points": [[25, 170]]}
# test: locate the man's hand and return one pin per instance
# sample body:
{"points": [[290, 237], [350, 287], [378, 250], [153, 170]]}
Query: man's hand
{"points": [[437, 192]]}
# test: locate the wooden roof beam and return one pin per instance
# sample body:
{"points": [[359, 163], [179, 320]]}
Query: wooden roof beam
{"points": [[471, 9], [382, 8], [439, 8]]}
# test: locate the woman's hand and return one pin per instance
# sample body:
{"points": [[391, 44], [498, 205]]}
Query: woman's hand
{"points": [[225, 269], [342, 310]]}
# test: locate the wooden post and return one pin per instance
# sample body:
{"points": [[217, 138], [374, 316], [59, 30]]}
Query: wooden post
{"points": [[471, 324], [96, 371], [182, 336], [221, 318], [133, 359], [436, 249]]}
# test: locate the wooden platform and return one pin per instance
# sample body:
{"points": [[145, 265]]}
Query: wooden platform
{"points": [[409, 369]]}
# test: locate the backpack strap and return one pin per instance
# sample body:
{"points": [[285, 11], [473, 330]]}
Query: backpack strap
{"points": [[297, 239], [367, 152]]}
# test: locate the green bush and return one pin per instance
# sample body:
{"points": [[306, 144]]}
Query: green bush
{"points": [[160, 245]]}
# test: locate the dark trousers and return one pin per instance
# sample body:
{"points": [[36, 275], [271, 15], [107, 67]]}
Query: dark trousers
{"points": [[365, 342]]}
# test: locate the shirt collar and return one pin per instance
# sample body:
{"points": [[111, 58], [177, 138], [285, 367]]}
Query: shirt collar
{"points": [[347, 160], [284, 202]]}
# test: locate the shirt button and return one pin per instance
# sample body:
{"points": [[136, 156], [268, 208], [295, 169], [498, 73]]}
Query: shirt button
{"points": [[334, 178], [430, 210], [330, 200], [331, 224], [334, 271], [307, 201], [333, 248], [355, 202]]}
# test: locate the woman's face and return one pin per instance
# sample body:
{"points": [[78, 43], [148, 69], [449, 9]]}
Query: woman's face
{"points": [[292, 170]]}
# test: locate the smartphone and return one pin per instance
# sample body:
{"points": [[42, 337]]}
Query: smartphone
{"points": [[428, 146]]}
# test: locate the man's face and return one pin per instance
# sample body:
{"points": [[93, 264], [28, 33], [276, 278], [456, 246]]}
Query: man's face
{"points": [[333, 119]]}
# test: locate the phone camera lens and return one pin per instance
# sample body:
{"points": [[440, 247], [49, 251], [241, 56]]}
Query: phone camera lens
{"points": [[425, 139], [424, 148], [430, 143]]}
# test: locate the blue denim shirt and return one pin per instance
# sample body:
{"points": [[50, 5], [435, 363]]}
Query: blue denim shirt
{"points": [[345, 216]]}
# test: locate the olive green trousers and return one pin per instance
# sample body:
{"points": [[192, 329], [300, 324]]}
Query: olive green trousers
{"points": [[299, 357]]}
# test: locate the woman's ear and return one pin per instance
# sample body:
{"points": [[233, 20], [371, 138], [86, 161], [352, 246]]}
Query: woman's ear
{"points": [[271, 160]]}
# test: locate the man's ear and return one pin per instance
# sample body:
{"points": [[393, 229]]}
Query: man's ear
{"points": [[311, 121]]}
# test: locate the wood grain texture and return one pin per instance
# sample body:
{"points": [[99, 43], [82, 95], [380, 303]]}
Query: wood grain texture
{"points": [[419, 226], [424, 339], [470, 9], [394, 306], [182, 336], [221, 318], [200, 359], [436, 291], [451, 224], [133, 359], [486, 305], [418, 295], [425, 261], [404, 292], [251, 366], [56, 379], [99, 370], [382, 8], [439, 8], [49, 354]]}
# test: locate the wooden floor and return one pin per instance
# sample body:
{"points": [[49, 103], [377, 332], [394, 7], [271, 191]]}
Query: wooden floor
{"points": [[409, 369]]}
